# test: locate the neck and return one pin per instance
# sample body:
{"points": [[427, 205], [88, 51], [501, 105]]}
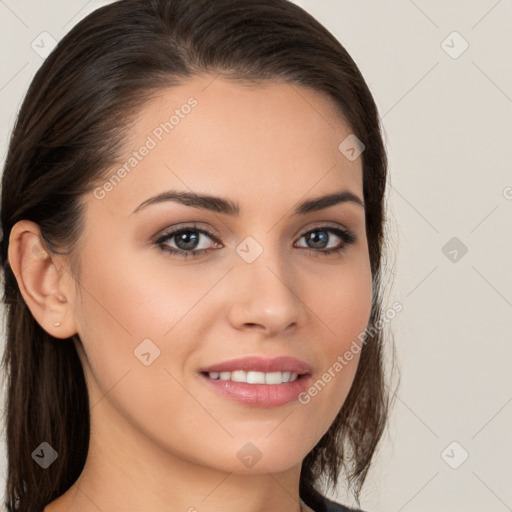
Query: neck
{"points": [[125, 471]]}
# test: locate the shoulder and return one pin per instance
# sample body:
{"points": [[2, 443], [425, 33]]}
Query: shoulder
{"points": [[332, 506]]}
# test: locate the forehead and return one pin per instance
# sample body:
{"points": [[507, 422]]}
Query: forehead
{"points": [[254, 142]]}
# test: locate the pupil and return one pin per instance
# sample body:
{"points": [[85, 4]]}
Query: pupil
{"points": [[313, 237], [188, 237]]}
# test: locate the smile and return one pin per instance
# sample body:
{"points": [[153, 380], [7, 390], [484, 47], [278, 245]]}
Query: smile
{"points": [[253, 377]]}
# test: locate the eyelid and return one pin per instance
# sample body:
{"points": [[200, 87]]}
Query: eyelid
{"points": [[323, 224], [212, 232], [193, 226]]}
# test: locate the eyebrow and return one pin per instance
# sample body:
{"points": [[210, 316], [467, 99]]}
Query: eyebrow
{"points": [[228, 207]]}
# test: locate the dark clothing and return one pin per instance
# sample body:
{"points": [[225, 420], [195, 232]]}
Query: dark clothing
{"points": [[324, 504]]}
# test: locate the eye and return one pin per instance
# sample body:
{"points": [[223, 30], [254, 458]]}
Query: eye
{"points": [[187, 241], [319, 239]]}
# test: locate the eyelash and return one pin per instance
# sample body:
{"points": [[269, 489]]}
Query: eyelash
{"points": [[348, 238]]}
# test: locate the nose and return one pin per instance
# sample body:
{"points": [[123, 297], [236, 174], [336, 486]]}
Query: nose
{"points": [[266, 296]]}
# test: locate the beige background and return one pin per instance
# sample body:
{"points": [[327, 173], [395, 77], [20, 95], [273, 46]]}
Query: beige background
{"points": [[448, 131]]}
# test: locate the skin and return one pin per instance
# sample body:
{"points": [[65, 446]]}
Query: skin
{"points": [[162, 440]]}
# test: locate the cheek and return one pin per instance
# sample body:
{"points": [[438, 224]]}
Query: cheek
{"points": [[131, 299], [123, 308], [344, 304], [119, 309], [344, 311]]}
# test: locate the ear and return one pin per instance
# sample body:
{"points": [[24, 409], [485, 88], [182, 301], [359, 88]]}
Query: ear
{"points": [[44, 282]]}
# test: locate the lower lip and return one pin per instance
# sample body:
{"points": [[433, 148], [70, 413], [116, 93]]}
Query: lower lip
{"points": [[260, 395]]}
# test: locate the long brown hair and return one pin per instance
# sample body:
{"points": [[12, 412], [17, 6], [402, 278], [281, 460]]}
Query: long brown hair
{"points": [[69, 131]]}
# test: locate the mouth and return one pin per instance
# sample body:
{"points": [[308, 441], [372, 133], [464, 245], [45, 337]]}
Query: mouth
{"points": [[254, 377], [257, 381]]}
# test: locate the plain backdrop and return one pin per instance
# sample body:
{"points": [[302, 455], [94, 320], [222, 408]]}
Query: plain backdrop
{"points": [[441, 75]]}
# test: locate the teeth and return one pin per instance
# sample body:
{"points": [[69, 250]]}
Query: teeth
{"points": [[273, 378], [255, 377], [239, 376]]}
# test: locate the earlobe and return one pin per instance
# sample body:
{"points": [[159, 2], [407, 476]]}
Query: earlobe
{"points": [[41, 280]]}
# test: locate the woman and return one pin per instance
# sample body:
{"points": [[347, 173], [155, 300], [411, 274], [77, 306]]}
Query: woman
{"points": [[192, 214]]}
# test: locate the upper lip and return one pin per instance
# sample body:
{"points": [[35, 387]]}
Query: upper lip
{"points": [[261, 364]]}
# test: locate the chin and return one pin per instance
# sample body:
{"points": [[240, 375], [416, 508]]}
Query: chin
{"points": [[272, 464], [248, 457]]}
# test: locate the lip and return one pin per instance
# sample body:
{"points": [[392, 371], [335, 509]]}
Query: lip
{"points": [[261, 364], [260, 395]]}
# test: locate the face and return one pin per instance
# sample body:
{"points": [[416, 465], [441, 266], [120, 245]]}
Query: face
{"points": [[155, 309]]}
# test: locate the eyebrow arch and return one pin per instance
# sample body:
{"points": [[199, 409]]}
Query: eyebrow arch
{"points": [[221, 205]]}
